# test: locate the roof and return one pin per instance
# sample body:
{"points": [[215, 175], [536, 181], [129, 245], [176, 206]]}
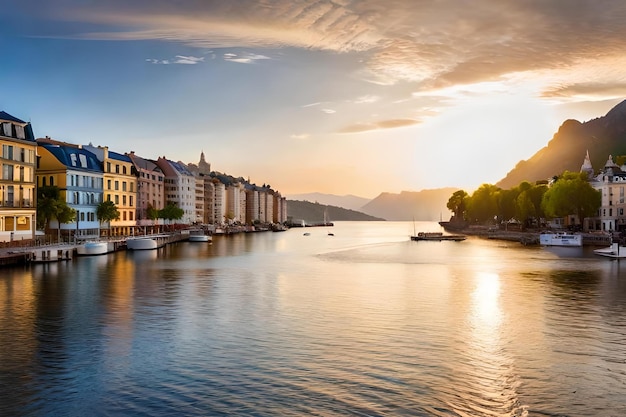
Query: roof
{"points": [[28, 129], [74, 158], [7, 117], [119, 157]]}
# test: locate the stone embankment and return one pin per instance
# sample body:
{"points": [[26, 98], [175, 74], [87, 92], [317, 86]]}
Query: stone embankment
{"points": [[527, 237]]}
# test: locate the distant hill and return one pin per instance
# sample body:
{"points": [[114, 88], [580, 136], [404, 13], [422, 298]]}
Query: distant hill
{"points": [[426, 205], [602, 137], [351, 202], [314, 212]]}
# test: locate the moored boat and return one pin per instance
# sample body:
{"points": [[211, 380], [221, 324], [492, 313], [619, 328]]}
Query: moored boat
{"points": [[437, 236], [199, 236], [560, 239], [92, 248], [614, 251], [146, 242]]}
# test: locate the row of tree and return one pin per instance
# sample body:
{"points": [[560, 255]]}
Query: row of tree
{"points": [[568, 194], [51, 205]]}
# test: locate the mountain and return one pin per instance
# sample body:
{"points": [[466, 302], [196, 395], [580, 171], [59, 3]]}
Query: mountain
{"points": [[314, 212], [602, 137], [350, 202], [427, 205]]}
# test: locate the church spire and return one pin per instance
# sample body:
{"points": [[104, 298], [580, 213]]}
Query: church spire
{"points": [[586, 166]]}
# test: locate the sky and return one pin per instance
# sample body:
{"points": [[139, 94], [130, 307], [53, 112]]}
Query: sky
{"points": [[341, 97]]}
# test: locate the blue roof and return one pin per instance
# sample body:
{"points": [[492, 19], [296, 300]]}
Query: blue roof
{"points": [[28, 129], [119, 157], [181, 168], [71, 157], [6, 116]]}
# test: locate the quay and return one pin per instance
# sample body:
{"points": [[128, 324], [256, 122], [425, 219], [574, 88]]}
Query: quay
{"points": [[37, 253]]}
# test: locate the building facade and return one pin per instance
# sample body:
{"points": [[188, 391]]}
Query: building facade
{"points": [[17, 179], [180, 188], [120, 187], [150, 193], [78, 175], [611, 182]]}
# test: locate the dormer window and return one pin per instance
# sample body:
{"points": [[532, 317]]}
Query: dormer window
{"points": [[7, 129], [19, 132], [73, 159], [83, 160]]}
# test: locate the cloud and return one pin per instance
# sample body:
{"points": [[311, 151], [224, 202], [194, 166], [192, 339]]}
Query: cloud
{"points": [[433, 44], [329, 111], [384, 124], [246, 58], [586, 90], [180, 59], [301, 136], [366, 99]]}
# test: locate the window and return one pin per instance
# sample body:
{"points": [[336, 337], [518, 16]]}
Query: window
{"points": [[108, 184], [7, 150], [124, 169], [130, 201], [117, 168], [82, 216], [117, 185], [117, 200], [123, 185], [108, 167], [7, 172], [73, 159], [51, 181], [124, 200]]}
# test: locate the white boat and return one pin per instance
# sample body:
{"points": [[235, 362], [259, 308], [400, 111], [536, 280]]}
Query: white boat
{"points": [[560, 239], [199, 236], [146, 242], [613, 251], [95, 247]]}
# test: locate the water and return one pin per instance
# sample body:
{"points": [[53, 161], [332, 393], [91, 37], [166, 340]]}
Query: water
{"points": [[363, 323]]}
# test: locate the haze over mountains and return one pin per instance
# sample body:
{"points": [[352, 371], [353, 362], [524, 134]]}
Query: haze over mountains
{"points": [[602, 136]]}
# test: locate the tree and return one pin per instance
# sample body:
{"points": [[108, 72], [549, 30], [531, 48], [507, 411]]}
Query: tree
{"points": [[171, 212], [51, 205], [482, 206], [457, 204], [152, 213], [107, 211], [571, 194]]}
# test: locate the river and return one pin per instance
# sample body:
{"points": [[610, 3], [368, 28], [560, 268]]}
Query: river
{"points": [[362, 323]]}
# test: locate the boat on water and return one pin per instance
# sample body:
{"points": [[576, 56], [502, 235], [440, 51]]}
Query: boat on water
{"points": [[95, 247], [437, 236], [199, 236], [560, 239], [614, 251], [146, 242]]}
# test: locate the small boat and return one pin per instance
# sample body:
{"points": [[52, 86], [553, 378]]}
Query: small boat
{"points": [[437, 236], [95, 247], [199, 236], [306, 234], [614, 251], [147, 242], [560, 239]]}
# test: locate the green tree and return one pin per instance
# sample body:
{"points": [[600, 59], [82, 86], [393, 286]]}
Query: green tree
{"points": [[171, 212], [51, 205], [106, 212], [571, 194], [152, 213], [457, 204], [482, 206], [506, 204]]}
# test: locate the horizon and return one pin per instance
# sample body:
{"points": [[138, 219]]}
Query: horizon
{"points": [[340, 98]]}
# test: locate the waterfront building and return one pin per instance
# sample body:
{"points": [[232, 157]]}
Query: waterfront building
{"points": [[180, 188], [279, 214], [78, 175], [252, 204], [219, 202], [17, 179], [611, 182], [199, 208], [120, 187], [150, 192]]}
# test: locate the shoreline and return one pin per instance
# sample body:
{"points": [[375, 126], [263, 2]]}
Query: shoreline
{"points": [[527, 237]]}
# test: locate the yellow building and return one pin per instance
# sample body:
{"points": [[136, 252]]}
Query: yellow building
{"points": [[120, 187], [17, 179]]}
